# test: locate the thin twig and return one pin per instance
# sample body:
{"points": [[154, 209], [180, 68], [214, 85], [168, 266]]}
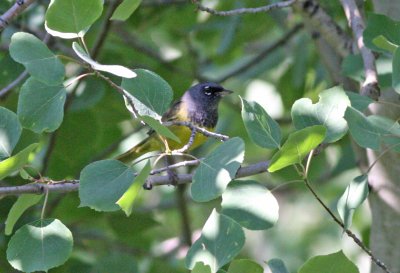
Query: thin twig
{"points": [[14, 11], [187, 145], [370, 86], [267, 8], [14, 83]]}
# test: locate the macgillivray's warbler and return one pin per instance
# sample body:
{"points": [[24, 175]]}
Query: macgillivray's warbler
{"points": [[198, 105]]}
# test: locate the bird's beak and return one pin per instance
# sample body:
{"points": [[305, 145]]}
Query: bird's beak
{"points": [[225, 92]]}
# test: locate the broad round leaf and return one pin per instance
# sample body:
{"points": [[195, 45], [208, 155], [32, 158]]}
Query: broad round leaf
{"points": [[220, 241], [262, 129], [297, 146], [40, 62], [40, 245], [73, 16], [241, 266], [117, 70], [250, 204], [16, 162], [23, 202], [125, 9], [358, 101], [102, 183], [40, 106], [336, 262], [362, 130], [217, 170], [201, 268], [329, 111], [354, 195], [151, 94], [10, 131]]}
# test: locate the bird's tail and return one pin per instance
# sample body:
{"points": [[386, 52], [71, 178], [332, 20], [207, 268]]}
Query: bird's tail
{"points": [[147, 145]]}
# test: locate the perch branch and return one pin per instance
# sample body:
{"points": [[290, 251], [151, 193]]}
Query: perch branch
{"points": [[267, 8], [197, 129]]}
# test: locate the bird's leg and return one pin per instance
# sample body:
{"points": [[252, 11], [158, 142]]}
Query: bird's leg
{"points": [[173, 177]]}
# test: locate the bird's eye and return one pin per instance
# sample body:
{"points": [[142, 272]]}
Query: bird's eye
{"points": [[207, 90]]}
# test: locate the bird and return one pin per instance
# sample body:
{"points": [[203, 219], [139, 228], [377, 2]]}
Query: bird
{"points": [[198, 105]]}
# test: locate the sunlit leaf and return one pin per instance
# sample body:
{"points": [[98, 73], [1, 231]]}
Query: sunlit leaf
{"points": [[262, 129], [297, 146], [382, 42], [127, 200], [250, 204], [241, 266], [381, 25], [354, 195], [125, 9], [217, 170], [72, 16], [201, 268], [23, 202], [40, 245], [159, 128], [41, 106], [329, 111], [102, 183], [40, 62], [117, 70], [16, 162], [220, 241], [10, 131], [336, 262]]}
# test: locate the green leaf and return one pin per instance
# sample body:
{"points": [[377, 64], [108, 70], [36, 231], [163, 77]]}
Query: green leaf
{"points": [[125, 9], [159, 128], [241, 266], [40, 245], [151, 94], [363, 132], [220, 241], [16, 162], [217, 170], [263, 130], [297, 146], [23, 202], [396, 70], [117, 70], [102, 183], [354, 195], [277, 266], [358, 101], [381, 25], [73, 16], [328, 111], [381, 42], [388, 129], [116, 262], [127, 200], [336, 262], [201, 268], [10, 131], [40, 62], [250, 204], [40, 106], [90, 92]]}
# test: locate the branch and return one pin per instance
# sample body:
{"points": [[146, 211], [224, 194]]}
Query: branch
{"points": [[370, 86], [14, 11], [267, 8], [73, 185], [13, 84]]}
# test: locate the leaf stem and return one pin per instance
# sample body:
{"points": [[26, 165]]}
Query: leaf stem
{"points": [[46, 190]]}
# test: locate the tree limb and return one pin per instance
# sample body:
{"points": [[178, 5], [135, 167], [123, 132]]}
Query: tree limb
{"points": [[73, 185], [370, 86], [267, 8], [14, 11]]}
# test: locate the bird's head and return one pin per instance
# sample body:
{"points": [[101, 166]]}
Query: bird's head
{"points": [[208, 92]]}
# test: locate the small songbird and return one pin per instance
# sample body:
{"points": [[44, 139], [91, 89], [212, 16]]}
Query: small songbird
{"points": [[199, 106]]}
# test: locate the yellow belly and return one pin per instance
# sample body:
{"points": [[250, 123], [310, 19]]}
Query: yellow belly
{"points": [[184, 134]]}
